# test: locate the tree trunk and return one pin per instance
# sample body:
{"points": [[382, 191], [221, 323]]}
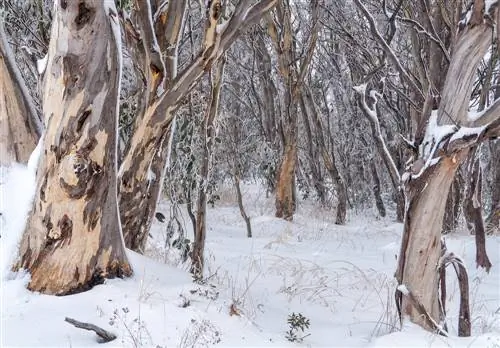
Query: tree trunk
{"points": [[421, 245], [20, 127], [329, 161], [243, 213], [285, 187], [207, 138], [453, 203], [428, 182], [73, 239], [148, 149], [493, 219], [376, 189], [473, 213]]}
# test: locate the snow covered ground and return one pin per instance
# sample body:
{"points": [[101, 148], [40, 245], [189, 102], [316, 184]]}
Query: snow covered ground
{"points": [[339, 277]]}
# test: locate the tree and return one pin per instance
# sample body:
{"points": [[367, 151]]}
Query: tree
{"points": [[448, 138], [21, 127], [292, 74], [72, 239], [142, 170], [208, 133]]}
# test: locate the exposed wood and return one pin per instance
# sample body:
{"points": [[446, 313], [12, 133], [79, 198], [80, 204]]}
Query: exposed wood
{"points": [[104, 335], [72, 239], [20, 127], [428, 184]]}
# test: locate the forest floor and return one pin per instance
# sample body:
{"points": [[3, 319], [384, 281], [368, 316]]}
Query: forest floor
{"points": [[338, 277]]}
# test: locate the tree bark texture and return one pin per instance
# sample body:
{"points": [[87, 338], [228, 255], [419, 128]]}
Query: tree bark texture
{"points": [[428, 183], [20, 127], [72, 239], [147, 154], [281, 32]]}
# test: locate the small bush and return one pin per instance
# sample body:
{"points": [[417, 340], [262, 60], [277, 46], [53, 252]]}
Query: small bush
{"points": [[296, 323]]}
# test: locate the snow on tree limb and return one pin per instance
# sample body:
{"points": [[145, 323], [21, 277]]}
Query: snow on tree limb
{"points": [[377, 132]]}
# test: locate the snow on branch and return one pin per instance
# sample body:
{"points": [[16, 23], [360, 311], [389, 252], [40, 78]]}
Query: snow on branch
{"points": [[371, 114]]}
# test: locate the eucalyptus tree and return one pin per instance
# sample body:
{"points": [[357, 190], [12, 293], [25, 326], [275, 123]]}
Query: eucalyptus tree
{"points": [[160, 25], [72, 238], [444, 136], [21, 127]]}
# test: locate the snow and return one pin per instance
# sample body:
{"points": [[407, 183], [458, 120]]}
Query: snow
{"points": [[339, 277], [403, 289], [467, 132], [41, 64]]}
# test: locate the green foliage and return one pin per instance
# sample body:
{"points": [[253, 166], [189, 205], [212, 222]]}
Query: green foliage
{"points": [[125, 5], [296, 323]]}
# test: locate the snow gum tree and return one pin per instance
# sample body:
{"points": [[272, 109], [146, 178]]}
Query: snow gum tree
{"points": [[449, 136], [72, 239], [21, 127], [142, 170]]}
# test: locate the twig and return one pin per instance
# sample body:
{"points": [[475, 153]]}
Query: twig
{"points": [[105, 336]]}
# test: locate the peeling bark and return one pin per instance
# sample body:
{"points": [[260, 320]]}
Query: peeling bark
{"points": [[427, 185], [72, 239], [148, 152]]}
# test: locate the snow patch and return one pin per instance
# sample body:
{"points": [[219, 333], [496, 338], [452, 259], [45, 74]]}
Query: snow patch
{"points": [[17, 188], [41, 64]]}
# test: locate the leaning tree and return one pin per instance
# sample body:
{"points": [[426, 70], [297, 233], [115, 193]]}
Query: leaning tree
{"points": [[156, 28], [447, 131]]}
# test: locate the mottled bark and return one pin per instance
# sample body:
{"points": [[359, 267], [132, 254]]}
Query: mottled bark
{"points": [[72, 239], [427, 183], [20, 127], [147, 154], [285, 187], [421, 245], [282, 35]]}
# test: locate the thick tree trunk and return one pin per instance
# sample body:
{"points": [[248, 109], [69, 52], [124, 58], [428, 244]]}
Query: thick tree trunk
{"points": [[148, 152], [138, 206], [421, 246], [285, 187], [428, 183], [207, 138], [73, 239], [20, 127]]}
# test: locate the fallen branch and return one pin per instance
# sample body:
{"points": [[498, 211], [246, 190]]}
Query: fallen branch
{"points": [[105, 336]]}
